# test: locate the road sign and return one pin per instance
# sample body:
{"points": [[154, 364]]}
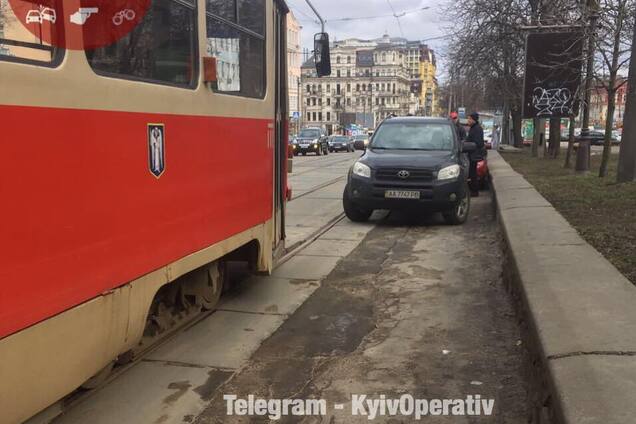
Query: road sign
{"points": [[296, 115], [553, 74]]}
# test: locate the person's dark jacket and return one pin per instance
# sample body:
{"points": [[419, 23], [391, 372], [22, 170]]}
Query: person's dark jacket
{"points": [[461, 131], [476, 135]]}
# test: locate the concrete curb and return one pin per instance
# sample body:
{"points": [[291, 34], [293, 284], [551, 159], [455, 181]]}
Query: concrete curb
{"points": [[578, 309]]}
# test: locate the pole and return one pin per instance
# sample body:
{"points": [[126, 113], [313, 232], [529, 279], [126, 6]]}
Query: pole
{"points": [[322, 21], [300, 113], [583, 152], [627, 156]]}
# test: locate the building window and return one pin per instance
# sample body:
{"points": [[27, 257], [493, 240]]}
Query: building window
{"points": [[313, 116], [161, 49], [313, 101], [337, 59], [348, 88], [328, 101], [348, 59], [308, 88], [338, 73], [348, 72], [320, 116], [308, 102], [308, 116], [328, 116]]}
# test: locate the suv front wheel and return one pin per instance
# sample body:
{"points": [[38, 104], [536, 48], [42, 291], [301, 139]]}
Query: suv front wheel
{"points": [[458, 215], [353, 212]]}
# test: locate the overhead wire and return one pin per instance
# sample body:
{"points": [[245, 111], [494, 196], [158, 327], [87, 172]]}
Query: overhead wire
{"points": [[397, 18]]}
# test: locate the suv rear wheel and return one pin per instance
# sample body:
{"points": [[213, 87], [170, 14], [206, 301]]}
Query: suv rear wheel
{"points": [[353, 212], [459, 214]]}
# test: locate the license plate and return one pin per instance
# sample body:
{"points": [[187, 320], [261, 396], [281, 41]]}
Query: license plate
{"points": [[401, 194], [304, 146]]}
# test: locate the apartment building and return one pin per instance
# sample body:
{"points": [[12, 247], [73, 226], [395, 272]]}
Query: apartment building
{"points": [[428, 75], [370, 80], [294, 62]]}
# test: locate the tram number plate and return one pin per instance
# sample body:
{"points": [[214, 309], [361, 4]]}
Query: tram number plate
{"points": [[401, 194]]}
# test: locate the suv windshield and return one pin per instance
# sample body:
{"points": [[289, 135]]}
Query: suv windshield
{"points": [[340, 139], [361, 137], [414, 136], [309, 134]]}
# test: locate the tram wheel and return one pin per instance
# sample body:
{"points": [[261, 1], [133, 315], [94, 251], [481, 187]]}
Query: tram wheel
{"points": [[204, 286]]}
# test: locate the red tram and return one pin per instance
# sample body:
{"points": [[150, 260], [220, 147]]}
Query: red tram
{"points": [[129, 173]]}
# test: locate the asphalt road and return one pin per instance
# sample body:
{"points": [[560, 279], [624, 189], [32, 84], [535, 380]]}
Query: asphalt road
{"points": [[400, 305], [418, 307]]}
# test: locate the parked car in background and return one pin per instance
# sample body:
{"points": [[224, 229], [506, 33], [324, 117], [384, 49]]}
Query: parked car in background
{"points": [[488, 139], [597, 138], [311, 140], [360, 142], [340, 143], [414, 164]]}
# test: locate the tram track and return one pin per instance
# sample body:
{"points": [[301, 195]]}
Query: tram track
{"points": [[56, 411], [306, 171]]}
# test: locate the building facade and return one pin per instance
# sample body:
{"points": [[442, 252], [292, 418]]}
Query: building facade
{"points": [[599, 101], [294, 61], [370, 80], [428, 75]]}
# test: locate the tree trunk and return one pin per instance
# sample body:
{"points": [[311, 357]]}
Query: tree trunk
{"points": [[627, 156], [583, 153], [516, 127], [555, 138], [609, 123], [536, 137], [505, 123], [568, 156]]}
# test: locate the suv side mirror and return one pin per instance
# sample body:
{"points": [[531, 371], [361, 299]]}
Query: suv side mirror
{"points": [[322, 55], [468, 147]]}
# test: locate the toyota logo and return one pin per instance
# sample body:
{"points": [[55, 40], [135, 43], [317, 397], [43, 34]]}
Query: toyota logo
{"points": [[404, 174]]}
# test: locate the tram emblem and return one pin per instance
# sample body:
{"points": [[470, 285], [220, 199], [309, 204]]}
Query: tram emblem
{"points": [[157, 149]]}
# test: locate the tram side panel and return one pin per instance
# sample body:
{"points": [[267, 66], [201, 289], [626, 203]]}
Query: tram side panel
{"points": [[86, 213]]}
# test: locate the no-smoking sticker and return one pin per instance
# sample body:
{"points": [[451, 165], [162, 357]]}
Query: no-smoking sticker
{"points": [[80, 24]]}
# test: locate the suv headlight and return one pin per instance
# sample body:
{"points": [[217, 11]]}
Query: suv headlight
{"points": [[449, 173], [361, 170]]}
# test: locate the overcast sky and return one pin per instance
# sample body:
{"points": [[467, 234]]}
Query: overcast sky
{"points": [[417, 24]]}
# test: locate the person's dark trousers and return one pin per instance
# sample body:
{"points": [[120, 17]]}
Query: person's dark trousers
{"points": [[474, 181]]}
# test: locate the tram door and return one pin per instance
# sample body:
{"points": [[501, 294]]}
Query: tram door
{"points": [[280, 130]]}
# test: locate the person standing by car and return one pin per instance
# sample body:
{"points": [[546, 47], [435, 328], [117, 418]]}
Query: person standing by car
{"points": [[475, 135], [461, 131]]}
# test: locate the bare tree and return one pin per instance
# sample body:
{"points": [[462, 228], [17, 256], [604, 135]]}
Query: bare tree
{"points": [[490, 53], [613, 44]]}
